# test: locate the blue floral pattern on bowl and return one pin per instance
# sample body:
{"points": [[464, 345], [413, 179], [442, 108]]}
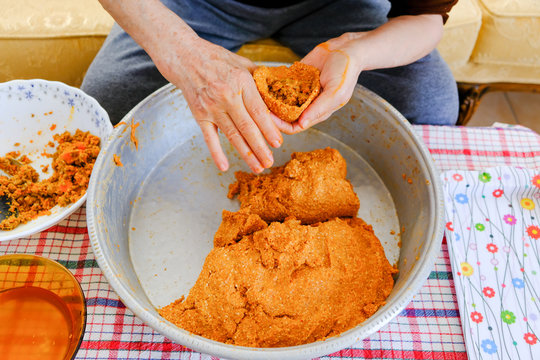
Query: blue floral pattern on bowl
{"points": [[39, 90]]}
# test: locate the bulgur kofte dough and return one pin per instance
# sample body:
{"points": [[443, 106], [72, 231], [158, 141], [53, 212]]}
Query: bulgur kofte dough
{"points": [[312, 187], [28, 197], [288, 91], [287, 284], [235, 225], [274, 280]]}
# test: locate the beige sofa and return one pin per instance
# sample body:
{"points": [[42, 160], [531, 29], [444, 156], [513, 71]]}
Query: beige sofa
{"points": [[492, 45], [489, 44]]}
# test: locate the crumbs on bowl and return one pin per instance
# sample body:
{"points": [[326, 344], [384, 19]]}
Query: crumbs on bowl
{"points": [[29, 197], [117, 161]]}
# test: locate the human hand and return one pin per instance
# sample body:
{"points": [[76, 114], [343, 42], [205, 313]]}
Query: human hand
{"points": [[339, 73], [221, 94]]}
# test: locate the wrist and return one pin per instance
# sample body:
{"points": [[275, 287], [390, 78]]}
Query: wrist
{"points": [[361, 49]]}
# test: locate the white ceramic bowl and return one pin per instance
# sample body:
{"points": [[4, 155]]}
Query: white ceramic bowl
{"points": [[28, 110]]}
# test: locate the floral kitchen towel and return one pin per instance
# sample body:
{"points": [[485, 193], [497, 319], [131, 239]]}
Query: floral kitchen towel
{"points": [[493, 234]]}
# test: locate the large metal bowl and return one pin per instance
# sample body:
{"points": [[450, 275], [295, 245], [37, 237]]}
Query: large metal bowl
{"points": [[150, 236]]}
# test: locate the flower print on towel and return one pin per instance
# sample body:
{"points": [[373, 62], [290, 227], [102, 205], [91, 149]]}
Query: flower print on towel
{"points": [[493, 233], [533, 231]]}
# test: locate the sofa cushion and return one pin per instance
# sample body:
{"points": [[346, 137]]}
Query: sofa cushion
{"points": [[53, 39], [267, 50], [460, 32], [510, 33]]}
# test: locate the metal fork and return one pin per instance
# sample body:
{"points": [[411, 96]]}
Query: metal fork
{"points": [[5, 202]]}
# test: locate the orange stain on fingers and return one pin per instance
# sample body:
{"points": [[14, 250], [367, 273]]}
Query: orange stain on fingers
{"points": [[342, 81], [326, 47]]}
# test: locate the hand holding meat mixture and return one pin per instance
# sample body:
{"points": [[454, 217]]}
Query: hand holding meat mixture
{"points": [[288, 91]]}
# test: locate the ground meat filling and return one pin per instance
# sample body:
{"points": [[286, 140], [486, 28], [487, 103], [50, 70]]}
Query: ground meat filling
{"points": [[288, 91], [28, 197], [292, 92]]}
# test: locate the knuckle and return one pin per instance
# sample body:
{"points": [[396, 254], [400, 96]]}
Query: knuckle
{"points": [[237, 72], [342, 97], [216, 89], [317, 114], [206, 130], [244, 76], [232, 134], [208, 140], [258, 113], [197, 108], [213, 93], [261, 151], [348, 36], [226, 129], [245, 127]]}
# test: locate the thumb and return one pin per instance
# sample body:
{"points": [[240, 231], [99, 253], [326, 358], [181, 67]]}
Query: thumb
{"points": [[319, 110]]}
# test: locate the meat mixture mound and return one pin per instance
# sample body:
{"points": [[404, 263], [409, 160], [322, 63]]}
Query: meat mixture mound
{"points": [[275, 283], [28, 197], [312, 187], [293, 92]]}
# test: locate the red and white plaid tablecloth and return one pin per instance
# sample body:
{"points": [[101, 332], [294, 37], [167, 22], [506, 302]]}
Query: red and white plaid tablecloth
{"points": [[429, 328]]}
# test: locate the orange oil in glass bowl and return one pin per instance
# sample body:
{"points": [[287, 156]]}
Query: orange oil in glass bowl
{"points": [[42, 309]]}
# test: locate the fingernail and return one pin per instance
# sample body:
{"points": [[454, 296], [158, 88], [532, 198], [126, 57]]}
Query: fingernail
{"points": [[257, 169], [276, 143], [223, 166], [268, 161]]}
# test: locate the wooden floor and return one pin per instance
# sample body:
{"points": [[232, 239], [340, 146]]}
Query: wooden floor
{"points": [[508, 107]]}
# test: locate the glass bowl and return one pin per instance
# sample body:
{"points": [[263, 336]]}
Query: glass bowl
{"points": [[42, 309]]}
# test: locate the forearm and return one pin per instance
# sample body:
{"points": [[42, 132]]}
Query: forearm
{"points": [[401, 41], [148, 22]]}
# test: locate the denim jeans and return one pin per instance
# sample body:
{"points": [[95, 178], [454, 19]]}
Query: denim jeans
{"points": [[425, 92]]}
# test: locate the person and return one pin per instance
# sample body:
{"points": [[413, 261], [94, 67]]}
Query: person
{"points": [[386, 46]]}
